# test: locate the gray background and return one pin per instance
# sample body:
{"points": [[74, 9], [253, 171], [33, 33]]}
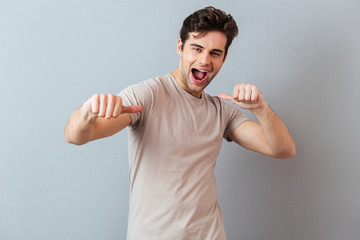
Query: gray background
{"points": [[303, 55]]}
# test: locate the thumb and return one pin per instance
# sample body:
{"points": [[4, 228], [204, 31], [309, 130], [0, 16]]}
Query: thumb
{"points": [[225, 96], [131, 109]]}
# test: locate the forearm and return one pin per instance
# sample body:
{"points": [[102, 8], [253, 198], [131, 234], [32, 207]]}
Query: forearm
{"points": [[100, 116], [80, 127], [276, 133]]}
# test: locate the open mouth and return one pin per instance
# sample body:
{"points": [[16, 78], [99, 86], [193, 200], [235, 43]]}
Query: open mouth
{"points": [[199, 76]]}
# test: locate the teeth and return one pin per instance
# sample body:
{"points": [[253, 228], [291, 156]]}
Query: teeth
{"points": [[202, 70]]}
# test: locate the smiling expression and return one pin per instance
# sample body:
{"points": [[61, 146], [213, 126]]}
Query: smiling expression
{"points": [[201, 58]]}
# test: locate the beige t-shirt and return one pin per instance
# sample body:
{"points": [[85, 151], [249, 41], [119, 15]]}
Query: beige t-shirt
{"points": [[173, 146]]}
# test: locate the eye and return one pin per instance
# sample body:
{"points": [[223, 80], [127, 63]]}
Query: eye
{"points": [[215, 54], [197, 49]]}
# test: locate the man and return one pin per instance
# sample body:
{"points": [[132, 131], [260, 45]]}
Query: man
{"points": [[176, 131]]}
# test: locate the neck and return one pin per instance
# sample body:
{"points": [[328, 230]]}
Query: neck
{"points": [[177, 75]]}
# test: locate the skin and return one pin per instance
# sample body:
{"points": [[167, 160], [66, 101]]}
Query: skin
{"points": [[104, 115], [269, 135], [204, 53]]}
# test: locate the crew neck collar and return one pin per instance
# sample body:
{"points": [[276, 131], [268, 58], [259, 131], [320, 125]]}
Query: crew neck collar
{"points": [[185, 93]]}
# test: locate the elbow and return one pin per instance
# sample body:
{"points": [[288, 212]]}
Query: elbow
{"points": [[71, 141], [293, 153], [289, 152], [287, 155]]}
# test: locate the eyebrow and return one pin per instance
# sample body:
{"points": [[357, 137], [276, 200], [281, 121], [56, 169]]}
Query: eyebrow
{"points": [[199, 46]]}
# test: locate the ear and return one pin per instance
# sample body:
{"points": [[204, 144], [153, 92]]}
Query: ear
{"points": [[179, 47]]}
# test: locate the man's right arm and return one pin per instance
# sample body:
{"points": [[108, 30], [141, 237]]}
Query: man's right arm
{"points": [[100, 116]]}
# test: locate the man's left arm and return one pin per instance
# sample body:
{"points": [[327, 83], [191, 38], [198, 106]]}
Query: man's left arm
{"points": [[269, 136]]}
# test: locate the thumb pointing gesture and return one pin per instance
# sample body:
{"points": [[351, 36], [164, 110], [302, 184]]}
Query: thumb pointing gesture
{"points": [[226, 97], [245, 96]]}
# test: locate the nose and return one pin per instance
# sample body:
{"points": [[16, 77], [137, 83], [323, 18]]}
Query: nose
{"points": [[204, 59]]}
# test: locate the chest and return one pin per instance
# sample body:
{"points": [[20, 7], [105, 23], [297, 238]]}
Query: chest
{"points": [[186, 123]]}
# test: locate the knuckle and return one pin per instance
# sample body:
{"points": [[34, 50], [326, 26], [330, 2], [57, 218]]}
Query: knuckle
{"points": [[111, 98], [94, 98], [103, 98], [115, 114]]}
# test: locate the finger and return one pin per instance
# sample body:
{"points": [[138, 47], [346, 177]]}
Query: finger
{"points": [[236, 92], [94, 103], [229, 98], [247, 95], [131, 109], [110, 106], [254, 94], [103, 103], [242, 91], [118, 106], [225, 96]]}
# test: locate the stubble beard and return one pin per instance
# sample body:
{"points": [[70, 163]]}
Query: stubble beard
{"points": [[185, 75]]}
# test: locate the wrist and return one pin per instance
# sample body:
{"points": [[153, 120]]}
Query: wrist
{"points": [[261, 109]]}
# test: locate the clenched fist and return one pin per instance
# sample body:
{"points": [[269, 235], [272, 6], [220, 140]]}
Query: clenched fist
{"points": [[246, 96], [108, 106]]}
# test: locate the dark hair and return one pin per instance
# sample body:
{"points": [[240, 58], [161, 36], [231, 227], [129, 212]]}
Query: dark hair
{"points": [[209, 19]]}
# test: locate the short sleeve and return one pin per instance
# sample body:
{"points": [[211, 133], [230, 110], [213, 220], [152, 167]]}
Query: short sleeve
{"points": [[233, 117], [138, 94]]}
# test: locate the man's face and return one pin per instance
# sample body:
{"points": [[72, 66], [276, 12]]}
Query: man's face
{"points": [[201, 59]]}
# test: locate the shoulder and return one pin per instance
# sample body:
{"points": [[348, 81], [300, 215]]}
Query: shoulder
{"points": [[149, 86], [147, 92], [226, 109]]}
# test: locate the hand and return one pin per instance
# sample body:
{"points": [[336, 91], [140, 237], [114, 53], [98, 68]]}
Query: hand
{"points": [[246, 96], [108, 106]]}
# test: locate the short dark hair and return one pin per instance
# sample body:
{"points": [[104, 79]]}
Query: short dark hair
{"points": [[209, 19]]}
